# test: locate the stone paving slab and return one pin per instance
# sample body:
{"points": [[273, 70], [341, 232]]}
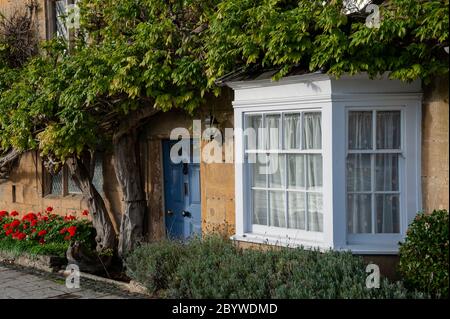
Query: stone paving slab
{"points": [[21, 283]]}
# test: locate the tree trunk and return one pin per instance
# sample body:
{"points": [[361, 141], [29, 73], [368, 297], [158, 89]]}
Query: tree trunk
{"points": [[128, 172], [106, 237]]}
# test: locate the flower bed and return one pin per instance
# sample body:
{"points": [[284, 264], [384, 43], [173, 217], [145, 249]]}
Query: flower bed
{"points": [[43, 233]]}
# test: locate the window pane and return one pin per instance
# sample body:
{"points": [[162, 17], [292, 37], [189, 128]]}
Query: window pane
{"points": [[61, 13], [273, 141], [259, 170], [296, 167], [386, 168], [387, 212], [292, 131], [259, 207], [72, 188], [254, 132], [359, 213], [57, 188], [297, 210], [97, 179], [276, 170], [388, 130], [359, 173], [314, 172], [276, 209], [312, 131], [315, 215], [360, 130]]}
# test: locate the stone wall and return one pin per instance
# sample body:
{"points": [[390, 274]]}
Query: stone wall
{"points": [[9, 7], [217, 180], [24, 191], [435, 146]]}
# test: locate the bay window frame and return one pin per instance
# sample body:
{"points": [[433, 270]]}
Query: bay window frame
{"points": [[333, 98]]}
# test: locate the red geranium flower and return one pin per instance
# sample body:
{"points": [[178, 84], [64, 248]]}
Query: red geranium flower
{"points": [[15, 223], [42, 233], [6, 226], [34, 223], [29, 217], [85, 212], [72, 230], [45, 218], [21, 236], [49, 209], [69, 218], [8, 232], [24, 226], [3, 213], [63, 231], [14, 214]]}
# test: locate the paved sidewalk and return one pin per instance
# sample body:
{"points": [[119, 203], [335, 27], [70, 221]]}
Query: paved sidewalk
{"points": [[20, 283]]}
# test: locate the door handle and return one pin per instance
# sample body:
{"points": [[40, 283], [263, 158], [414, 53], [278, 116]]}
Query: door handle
{"points": [[185, 213], [169, 212]]}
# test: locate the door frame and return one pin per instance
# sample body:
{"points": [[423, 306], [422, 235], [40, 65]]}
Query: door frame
{"points": [[163, 184]]}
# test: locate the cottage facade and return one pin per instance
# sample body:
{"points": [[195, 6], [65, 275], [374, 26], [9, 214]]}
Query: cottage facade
{"points": [[354, 160]]}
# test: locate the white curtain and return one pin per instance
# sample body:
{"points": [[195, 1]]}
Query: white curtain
{"points": [[387, 208], [312, 131], [386, 167], [296, 167], [292, 131], [360, 213], [276, 208], [297, 210], [315, 179], [260, 207], [388, 130], [360, 131], [359, 205], [276, 171], [315, 212], [273, 131], [259, 171], [254, 132]]}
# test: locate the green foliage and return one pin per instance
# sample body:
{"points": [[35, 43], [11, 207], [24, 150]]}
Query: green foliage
{"points": [[216, 268], [15, 248], [134, 54], [424, 256], [318, 35]]}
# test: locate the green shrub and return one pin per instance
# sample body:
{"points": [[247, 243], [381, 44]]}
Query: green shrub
{"points": [[424, 254], [154, 265], [216, 268]]}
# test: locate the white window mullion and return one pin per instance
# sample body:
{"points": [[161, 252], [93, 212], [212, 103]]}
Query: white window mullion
{"points": [[305, 167]]}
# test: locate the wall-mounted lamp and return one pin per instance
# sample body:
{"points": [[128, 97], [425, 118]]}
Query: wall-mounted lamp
{"points": [[212, 131]]}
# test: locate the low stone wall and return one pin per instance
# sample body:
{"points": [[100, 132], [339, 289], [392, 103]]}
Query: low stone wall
{"points": [[44, 263]]}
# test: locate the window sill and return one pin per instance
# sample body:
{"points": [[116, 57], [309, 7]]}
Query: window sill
{"points": [[62, 197], [370, 249], [279, 241]]}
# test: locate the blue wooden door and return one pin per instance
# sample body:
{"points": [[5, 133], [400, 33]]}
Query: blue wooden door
{"points": [[182, 196]]}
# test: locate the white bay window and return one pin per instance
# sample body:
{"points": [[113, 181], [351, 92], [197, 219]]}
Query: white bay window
{"points": [[327, 163]]}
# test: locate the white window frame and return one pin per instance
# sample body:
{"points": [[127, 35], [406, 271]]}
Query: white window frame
{"points": [[333, 98], [409, 169], [294, 234]]}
